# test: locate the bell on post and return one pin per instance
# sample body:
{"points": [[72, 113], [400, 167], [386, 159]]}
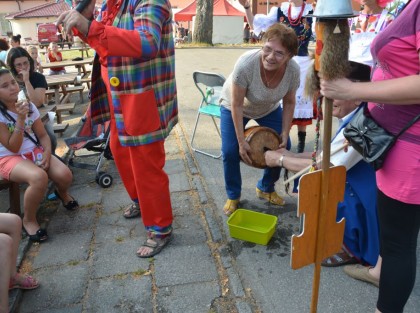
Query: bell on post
{"points": [[334, 9]]}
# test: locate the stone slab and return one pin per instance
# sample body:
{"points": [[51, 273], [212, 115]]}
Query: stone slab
{"points": [[184, 265], [189, 298], [60, 287], [127, 295], [62, 248]]}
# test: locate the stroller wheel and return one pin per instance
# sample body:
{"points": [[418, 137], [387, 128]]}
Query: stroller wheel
{"points": [[104, 180]]}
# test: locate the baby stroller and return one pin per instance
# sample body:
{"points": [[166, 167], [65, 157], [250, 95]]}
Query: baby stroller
{"points": [[92, 138]]}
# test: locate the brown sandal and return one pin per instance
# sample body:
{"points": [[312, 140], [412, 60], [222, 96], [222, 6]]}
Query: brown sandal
{"points": [[339, 259], [133, 210], [156, 244]]}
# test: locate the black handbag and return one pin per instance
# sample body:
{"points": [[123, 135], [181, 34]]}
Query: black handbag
{"points": [[369, 139]]}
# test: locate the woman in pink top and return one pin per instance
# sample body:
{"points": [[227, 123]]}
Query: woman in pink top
{"points": [[394, 100]]}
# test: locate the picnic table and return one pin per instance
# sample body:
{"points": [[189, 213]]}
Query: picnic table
{"points": [[43, 112], [83, 50], [80, 64], [60, 81]]}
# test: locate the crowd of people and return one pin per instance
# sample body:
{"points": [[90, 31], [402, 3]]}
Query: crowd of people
{"points": [[378, 233], [133, 87]]}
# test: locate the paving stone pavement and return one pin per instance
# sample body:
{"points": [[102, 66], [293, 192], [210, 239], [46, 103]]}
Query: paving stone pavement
{"points": [[89, 262]]}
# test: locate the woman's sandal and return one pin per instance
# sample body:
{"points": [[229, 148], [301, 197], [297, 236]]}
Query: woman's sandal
{"points": [[40, 235], [339, 259], [71, 205], [23, 281], [155, 244], [133, 210]]}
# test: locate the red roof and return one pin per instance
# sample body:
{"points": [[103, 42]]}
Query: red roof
{"points": [[51, 9], [220, 8]]}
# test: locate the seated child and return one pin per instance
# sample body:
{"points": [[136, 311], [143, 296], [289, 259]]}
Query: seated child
{"points": [[10, 233], [33, 51], [25, 155], [55, 56]]}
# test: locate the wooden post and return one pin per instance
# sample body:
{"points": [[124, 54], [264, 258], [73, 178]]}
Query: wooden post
{"points": [[326, 149]]}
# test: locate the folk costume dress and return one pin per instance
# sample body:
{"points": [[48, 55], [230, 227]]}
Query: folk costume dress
{"points": [[133, 85], [294, 18], [364, 29]]}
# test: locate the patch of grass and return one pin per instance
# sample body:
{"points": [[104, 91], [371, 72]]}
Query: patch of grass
{"points": [[119, 239], [141, 272], [120, 276], [69, 55], [73, 263]]}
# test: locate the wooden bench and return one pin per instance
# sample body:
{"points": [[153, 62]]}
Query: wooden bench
{"points": [[69, 107], [65, 92], [60, 128], [14, 195], [62, 108], [50, 92], [76, 89], [49, 95], [86, 79]]}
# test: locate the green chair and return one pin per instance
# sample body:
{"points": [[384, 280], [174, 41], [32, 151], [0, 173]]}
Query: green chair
{"points": [[210, 86]]}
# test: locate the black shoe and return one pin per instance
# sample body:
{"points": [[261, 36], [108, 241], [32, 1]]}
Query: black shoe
{"points": [[40, 235], [71, 205]]}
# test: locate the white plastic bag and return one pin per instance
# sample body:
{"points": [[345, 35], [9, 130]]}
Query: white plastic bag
{"points": [[51, 117]]}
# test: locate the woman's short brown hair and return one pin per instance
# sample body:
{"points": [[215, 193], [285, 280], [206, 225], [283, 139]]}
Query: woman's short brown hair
{"points": [[285, 35]]}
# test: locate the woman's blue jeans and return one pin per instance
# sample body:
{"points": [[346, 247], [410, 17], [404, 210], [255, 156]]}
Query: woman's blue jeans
{"points": [[230, 153]]}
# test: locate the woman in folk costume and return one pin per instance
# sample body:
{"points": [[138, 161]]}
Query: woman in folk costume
{"points": [[292, 14], [373, 18], [370, 14]]}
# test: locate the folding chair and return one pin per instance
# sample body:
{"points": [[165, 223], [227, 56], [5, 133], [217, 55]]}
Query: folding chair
{"points": [[210, 86]]}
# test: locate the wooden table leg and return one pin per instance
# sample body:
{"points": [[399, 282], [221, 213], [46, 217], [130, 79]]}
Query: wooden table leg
{"points": [[57, 95]]}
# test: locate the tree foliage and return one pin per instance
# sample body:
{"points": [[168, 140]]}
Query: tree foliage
{"points": [[203, 29]]}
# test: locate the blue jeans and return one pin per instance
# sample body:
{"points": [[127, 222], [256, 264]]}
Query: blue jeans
{"points": [[230, 153]]}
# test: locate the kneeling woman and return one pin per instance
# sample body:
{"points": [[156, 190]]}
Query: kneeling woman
{"points": [[260, 79], [25, 155]]}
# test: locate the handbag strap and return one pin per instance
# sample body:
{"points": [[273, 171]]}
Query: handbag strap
{"points": [[36, 142], [407, 126]]}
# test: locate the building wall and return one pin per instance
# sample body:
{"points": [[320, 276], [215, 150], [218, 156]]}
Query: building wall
{"points": [[179, 4], [228, 29], [7, 7], [28, 27]]}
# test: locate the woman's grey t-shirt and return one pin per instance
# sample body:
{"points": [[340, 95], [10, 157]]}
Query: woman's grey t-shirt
{"points": [[259, 100]]}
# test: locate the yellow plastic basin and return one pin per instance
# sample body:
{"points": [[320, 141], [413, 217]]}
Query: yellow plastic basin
{"points": [[252, 226]]}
